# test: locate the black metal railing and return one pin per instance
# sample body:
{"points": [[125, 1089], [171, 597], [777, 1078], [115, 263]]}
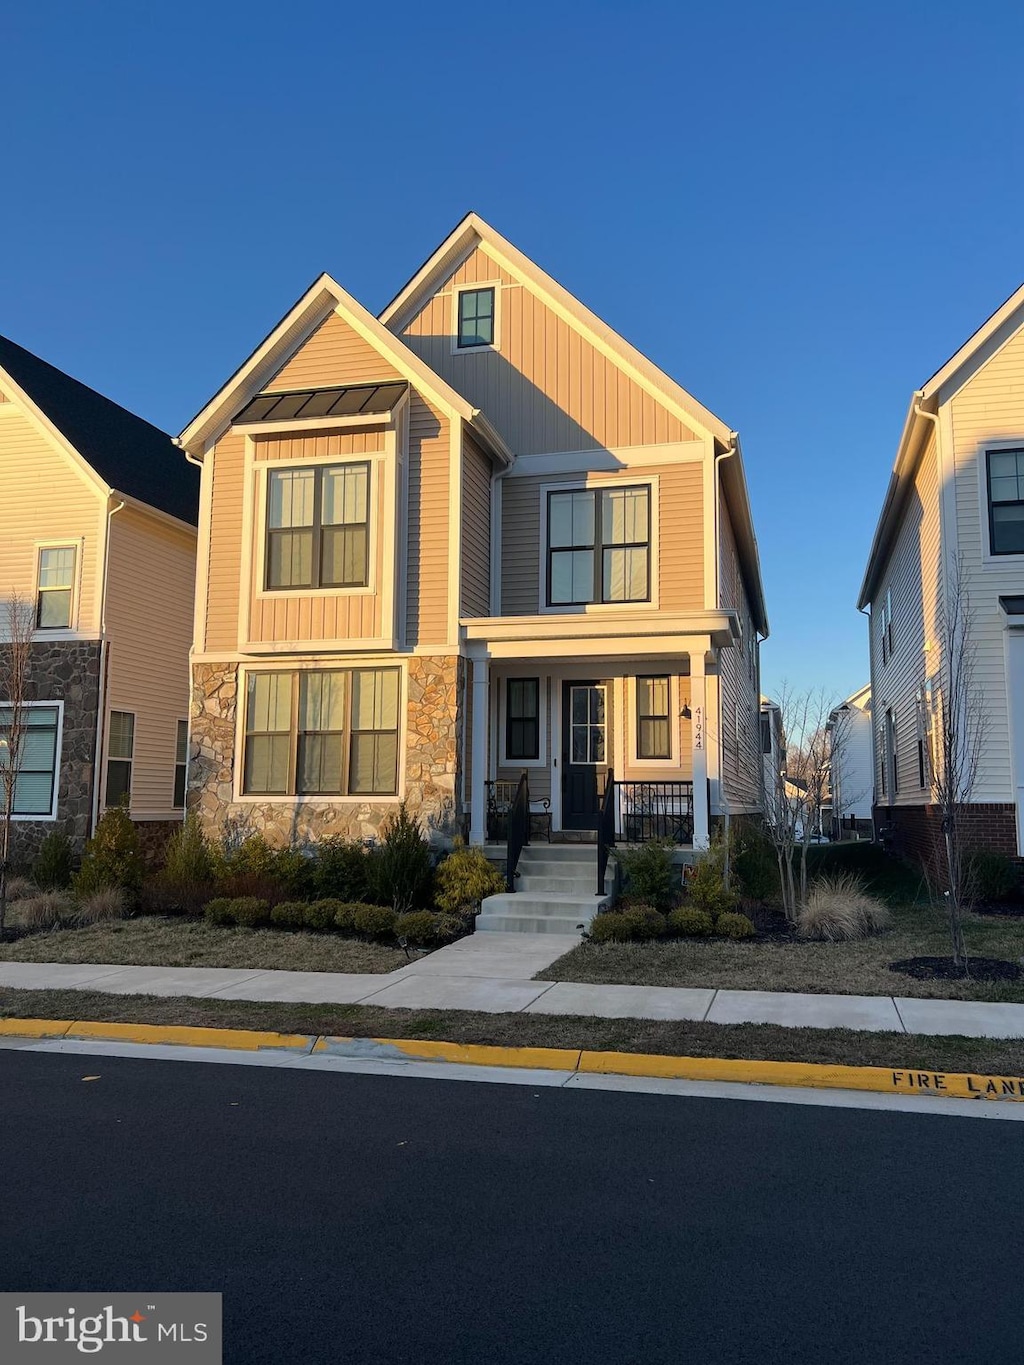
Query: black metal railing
{"points": [[654, 810], [605, 830], [518, 830]]}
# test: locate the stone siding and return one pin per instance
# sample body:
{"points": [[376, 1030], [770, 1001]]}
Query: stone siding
{"points": [[432, 763]]}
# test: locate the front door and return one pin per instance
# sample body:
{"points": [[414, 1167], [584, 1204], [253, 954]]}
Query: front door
{"points": [[585, 756]]}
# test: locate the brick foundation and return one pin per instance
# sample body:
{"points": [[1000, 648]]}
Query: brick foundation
{"points": [[916, 831]]}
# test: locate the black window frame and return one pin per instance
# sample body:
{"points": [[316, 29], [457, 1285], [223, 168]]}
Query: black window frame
{"points": [[599, 547], [317, 528], [530, 753], [665, 718], [180, 765], [766, 732], [1002, 502], [460, 320]]}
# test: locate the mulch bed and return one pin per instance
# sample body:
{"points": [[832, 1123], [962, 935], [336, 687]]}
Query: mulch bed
{"points": [[942, 969], [1010, 909]]}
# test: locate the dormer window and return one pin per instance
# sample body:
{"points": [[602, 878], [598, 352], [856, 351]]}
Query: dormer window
{"points": [[476, 318]]}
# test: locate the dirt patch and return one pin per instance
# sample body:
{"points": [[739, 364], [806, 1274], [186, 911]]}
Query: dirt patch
{"points": [[943, 969]]}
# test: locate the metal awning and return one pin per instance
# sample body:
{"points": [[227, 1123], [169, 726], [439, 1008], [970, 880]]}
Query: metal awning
{"points": [[354, 400]]}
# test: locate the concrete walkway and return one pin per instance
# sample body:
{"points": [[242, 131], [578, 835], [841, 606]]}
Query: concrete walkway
{"points": [[493, 973]]}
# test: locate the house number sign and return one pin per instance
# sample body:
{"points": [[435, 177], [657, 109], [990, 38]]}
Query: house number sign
{"points": [[698, 727]]}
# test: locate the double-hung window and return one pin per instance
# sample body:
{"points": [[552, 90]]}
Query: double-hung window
{"points": [[476, 318], [599, 546], [36, 758], [120, 753], [180, 763], [318, 527], [55, 587], [653, 735], [522, 719], [322, 733], [1006, 501]]}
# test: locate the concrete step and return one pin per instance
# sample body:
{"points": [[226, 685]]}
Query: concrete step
{"points": [[559, 853], [534, 883], [526, 924]]}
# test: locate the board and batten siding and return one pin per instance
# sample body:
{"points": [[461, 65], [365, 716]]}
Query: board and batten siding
{"points": [[738, 689], [988, 408], [475, 597], [150, 589], [428, 528], [71, 511], [910, 580], [334, 354], [545, 388], [680, 534], [225, 548]]}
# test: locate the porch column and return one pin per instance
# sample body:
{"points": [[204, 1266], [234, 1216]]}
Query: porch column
{"points": [[699, 739], [478, 768]]}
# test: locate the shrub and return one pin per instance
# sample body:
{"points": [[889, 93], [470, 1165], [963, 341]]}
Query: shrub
{"points": [[732, 925], [288, 914], [51, 870], [190, 865], [345, 915], [691, 922], [218, 911], [990, 877], [320, 915], [112, 857], [644, 922], [756, 866], [339, 870], [650, 875], [399, 869], [46, 910], [705, 888], [376, 921], [249, 911], [418, 926], [451, 927], [106, 904], [464, 879], [610, 926], [293, 869], [838, 909], [21, 889]]}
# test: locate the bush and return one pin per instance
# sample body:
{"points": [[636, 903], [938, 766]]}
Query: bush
{"points": [[320, 915], [106, 904], [419, 926], [756, 866], [218, 911], [732, 925], [651, 877], [51, 870], [46, 910], [838, 909], [376, 921], [190, 865], [610, 926], [464, 879], [399, 869], [288, 914], [644, 922], [451, 927], [990, 877], [21, 889], [339, 870], [345, 915], [112, 857], [293, 869], [249, 911], [705, 888], [690, 922]]}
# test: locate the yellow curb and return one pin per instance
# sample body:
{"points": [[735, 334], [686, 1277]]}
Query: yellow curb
{"points": [[244, 1040], [473, 1054], [34, 1028]]}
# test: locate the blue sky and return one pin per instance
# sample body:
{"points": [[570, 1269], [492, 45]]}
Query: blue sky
{"points": [[798, 211]]}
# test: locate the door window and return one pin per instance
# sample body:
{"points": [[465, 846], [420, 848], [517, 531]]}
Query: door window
{"points": [[587, 724]]}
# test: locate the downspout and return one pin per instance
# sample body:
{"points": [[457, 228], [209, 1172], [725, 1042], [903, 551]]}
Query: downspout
{"points": [[191, 649], [722, 455], [101, 689]]}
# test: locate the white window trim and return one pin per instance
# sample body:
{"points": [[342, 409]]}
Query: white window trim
{"points": [[121, 711], [321, 666], [651, 481], [632, 736], [541, 761], [57, 754], [457, 293], [76, 543], [989, 561]]}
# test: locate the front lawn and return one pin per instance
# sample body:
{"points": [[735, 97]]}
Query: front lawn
{"points": [[857, 968], [175, 941]]}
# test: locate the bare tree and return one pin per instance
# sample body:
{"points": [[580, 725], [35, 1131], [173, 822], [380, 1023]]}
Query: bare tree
{"points": [[15, 659]]}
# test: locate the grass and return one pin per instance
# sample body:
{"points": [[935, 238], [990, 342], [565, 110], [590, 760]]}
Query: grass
{"points": [[172, 941], [857, 968], [987, 1056]]}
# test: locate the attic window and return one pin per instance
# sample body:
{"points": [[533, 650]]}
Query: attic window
{"points": [[476, 317]]}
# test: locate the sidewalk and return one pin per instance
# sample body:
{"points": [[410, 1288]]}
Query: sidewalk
{"points": [[492, 973]]}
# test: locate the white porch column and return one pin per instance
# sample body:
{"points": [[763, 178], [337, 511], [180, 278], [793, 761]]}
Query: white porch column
{"points": [[699, 740], [478, 769]]}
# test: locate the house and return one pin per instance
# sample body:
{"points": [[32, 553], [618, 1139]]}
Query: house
{"points": [[953, 519], [477, 536], [852, 766], [773, 758], [99, 542]]}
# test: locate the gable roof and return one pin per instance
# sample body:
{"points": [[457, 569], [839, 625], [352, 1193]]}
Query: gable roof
{"points": [[997, 328], [325, 295], [130, 455]]}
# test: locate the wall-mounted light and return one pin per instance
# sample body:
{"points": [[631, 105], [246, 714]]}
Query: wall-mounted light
{"points": [[686, 713]]}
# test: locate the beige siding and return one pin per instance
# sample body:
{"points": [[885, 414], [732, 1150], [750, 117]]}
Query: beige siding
{"points": [[71, 510], [322, 445], [545, 388], [680, 535], [476, 530], [738, 690], [631, 769], [150, 586], [334, 354], [428, 530], [225, 543]]}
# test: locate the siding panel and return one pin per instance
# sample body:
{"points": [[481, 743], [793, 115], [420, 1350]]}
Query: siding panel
{"points": [[738, 689], [428, 529], [476, 530], [334, 354]]}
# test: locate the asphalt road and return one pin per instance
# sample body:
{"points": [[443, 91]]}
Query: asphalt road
{"points": [[369, 1219]]}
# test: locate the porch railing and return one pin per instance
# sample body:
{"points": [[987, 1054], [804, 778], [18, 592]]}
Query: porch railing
{"points": [[654, 810], [518, 830], [605, 830]]}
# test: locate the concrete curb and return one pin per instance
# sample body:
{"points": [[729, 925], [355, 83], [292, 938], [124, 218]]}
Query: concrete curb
{"points": [[951, 1085]]}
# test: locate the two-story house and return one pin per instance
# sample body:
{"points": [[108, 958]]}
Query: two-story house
{"points": [[851, 766], [98, 542], [953, 515], [476, 536]]}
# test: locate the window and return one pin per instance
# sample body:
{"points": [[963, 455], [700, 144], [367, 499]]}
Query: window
{"points": [[180, 764], [476, 318], [653, 734], [888, 619], [56, 585], [892, 757], [34, 785], [318, 527], [522, 719], [120, 749], [766, 733], [599, 546], [1006, 501], [323, 733]]}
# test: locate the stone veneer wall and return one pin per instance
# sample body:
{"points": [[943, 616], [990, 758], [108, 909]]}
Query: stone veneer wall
{"points": [[432, 763], [67, 671]]}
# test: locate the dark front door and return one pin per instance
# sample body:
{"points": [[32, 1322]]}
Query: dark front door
{"points": [[585, 756]]}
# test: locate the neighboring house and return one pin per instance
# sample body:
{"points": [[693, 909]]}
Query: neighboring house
{"points": [[954, 509], [773, 758], [852, 767], [99, 540], [477, 536]]}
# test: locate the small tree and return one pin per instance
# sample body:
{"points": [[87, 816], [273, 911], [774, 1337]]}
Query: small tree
{"points": [[15, 662], [399, 868]]}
